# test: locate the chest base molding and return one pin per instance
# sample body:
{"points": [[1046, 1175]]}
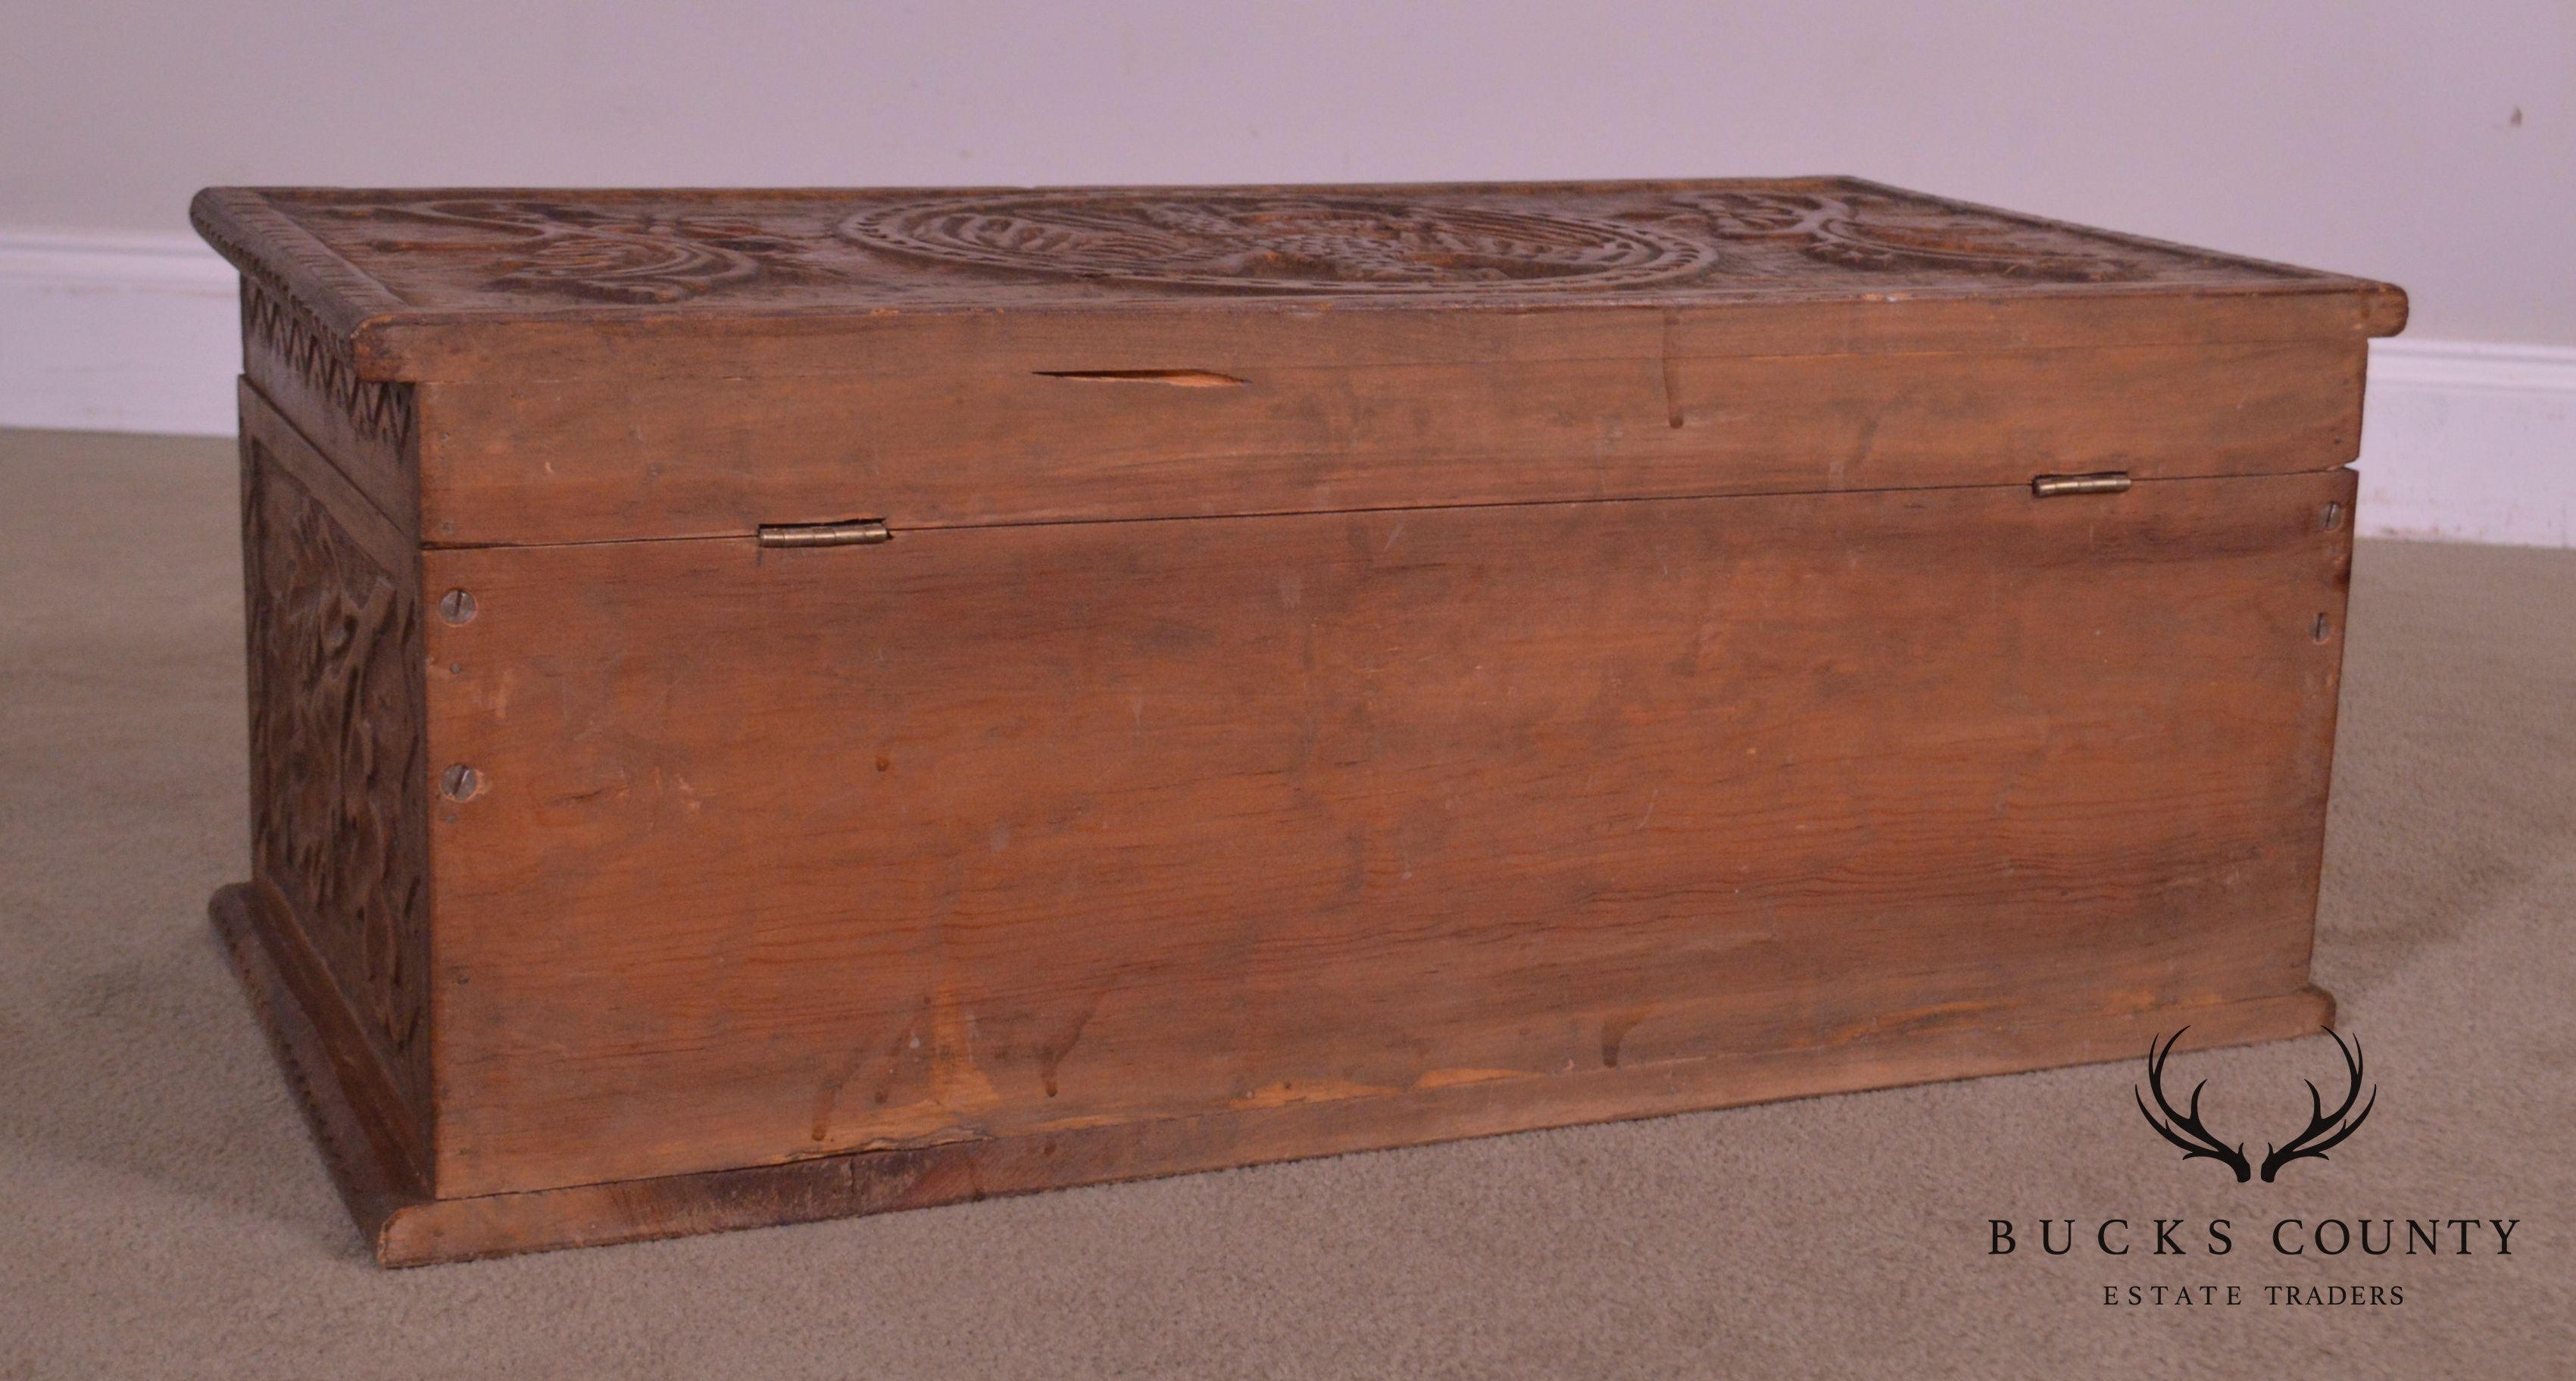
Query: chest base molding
{"points": [[404, 1226]]}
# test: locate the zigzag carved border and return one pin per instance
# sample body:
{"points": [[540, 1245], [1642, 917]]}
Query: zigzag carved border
{"points": [[379, 411]]}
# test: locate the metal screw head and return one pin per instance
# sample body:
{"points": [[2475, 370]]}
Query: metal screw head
{"points": [[459, 782], [2333, 516], [456, 606]]}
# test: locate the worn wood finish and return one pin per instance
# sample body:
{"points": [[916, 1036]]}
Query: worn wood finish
{"points": [[339, 773], [1009, 830], [1351, 667], [405, 1227], [974, 437], [322, 1053], [693, 364], [399, 265], [369, 429]]}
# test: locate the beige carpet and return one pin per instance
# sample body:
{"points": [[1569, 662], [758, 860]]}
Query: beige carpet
{"points": [[162, 1213]]}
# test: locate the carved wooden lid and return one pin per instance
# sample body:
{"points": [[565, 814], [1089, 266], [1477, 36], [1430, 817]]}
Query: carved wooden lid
{"points": [[385, 271]]}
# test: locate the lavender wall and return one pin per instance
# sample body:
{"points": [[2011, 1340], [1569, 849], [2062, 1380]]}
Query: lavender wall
{"points": [[2433, 144]]}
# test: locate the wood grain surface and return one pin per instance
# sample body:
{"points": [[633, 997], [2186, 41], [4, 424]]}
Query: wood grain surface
{"points": [[1012, 831], [475, 284], [1009, 433], [405, 1226], [384, 258]]}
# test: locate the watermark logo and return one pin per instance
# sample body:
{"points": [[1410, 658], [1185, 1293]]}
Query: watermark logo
{"points": [[2325, 1130]]}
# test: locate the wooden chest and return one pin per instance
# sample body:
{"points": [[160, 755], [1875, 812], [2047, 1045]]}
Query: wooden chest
{"points": [[772, 705]]}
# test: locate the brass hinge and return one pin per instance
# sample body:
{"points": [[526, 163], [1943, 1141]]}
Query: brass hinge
{"points": [[866, 532], [2050, 486]]}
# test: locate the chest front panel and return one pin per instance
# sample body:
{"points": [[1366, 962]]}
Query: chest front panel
{"points": [[1011, 830]]}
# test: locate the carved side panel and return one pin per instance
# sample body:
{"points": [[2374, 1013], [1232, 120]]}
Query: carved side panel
{"points": [[339, 775]]}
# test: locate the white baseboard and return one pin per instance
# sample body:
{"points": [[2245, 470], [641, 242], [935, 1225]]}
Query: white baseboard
{"points": [[119, 333], [2469, 441], [2462, 440]]}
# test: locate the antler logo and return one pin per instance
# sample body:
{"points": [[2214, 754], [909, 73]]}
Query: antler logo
{"points": [[2325, 1130]]}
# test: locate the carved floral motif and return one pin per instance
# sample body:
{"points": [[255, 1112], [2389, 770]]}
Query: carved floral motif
{"points": [[1283, 242], [590, 251], [827, 249], [1889, 233], [339, 778]]}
